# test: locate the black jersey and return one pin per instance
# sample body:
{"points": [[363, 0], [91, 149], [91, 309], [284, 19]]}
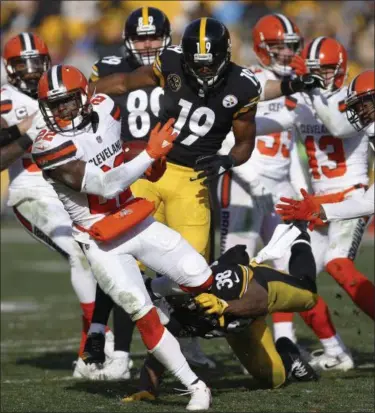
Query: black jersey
{"points": [[139, 107], [202, 122]]}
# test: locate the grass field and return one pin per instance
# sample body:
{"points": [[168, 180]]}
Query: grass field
{"points": [[40, 327]]}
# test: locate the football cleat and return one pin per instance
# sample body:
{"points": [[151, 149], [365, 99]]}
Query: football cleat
{"points": [[296, 366], [93, 352], [115, 368], [320, 360], [83, 370], [200, 396], [193, 353]]}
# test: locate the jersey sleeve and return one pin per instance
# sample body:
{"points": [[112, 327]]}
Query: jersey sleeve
{"points": [[6, 105], [248, 90], [106, 66], [51, 150], [331, 112], [230, 281], [351, 208], [165, 62]]}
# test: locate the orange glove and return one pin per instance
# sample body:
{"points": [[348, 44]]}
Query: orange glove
{"points": [[299, 66], [306, 210], [156, 170], [161, 140]]}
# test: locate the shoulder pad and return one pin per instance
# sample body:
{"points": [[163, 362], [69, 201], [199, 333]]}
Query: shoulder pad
{"points": [[107, 66]]}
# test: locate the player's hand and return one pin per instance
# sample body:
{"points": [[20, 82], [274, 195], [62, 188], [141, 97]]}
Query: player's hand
{"points": [[139, 396], [212, 166], [156, 170], [307, 209], [26, 123], [211, 304], [307, 82], [161, 140], [298, 65]]}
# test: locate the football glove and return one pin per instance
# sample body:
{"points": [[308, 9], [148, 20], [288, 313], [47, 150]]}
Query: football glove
{"points": [[212, 166], [298, 65], [212, 305], [307, 82], [307, 209]]}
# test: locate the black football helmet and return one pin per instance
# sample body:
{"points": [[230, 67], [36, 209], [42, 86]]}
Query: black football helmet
{"points": [[206, 49], [146, 23]]}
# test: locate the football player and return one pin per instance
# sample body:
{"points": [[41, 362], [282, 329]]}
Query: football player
{"points": [[338, 171], [147, 32], [360, 111], [34, 202], [82, 157], [242, 294], [248, 193]]}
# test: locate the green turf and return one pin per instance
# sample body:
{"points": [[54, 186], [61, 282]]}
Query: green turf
{"points": [[38, 346]]}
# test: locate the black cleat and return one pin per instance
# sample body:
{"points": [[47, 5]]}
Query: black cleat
{"points": [[94, 349], [296, 367]]}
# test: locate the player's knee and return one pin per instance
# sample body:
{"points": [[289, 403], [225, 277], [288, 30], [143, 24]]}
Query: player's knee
{"points": [[194, 270]]}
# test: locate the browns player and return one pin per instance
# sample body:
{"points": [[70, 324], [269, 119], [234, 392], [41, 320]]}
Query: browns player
{"points": [[338, 171], [82, 157], [34, 202], [360, 111], [147, 33]]}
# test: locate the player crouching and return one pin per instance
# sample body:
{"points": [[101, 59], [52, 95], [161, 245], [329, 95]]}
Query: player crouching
{"points": [[82, 157], [240, 298]]}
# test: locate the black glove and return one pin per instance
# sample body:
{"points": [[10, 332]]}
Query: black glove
{"points": [[212, 166], [303, 83]]}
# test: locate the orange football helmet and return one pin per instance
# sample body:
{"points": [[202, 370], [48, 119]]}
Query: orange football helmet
{"points": [[360, 101], [329, 58], [64, 98], [276, 40], [26, 59]]}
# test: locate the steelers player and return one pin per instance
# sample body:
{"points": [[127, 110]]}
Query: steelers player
{"points": [[147, 32], [241, 295]]}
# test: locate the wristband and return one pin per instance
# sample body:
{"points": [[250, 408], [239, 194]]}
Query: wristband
{"points": [[9, 135], [285, 87], [25, 142]]}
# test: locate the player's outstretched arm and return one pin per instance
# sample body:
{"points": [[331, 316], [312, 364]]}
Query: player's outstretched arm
{"points": [[119, 83]]}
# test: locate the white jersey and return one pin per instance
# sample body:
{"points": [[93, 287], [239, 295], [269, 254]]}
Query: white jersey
{"points": [[334, 164], [26, 179], [271, 154], [103, 148]]}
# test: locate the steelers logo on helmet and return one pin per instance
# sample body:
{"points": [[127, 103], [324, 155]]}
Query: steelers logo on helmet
{"points": [[206, 51], [229, 101], [147, 33]]}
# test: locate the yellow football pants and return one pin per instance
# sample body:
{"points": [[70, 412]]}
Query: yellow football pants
{"points": [[181, 204], [256, 350]]}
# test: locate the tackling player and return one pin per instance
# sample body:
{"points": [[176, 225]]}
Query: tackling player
{"points": [[242, 294], [34, 202], [82, 157]]}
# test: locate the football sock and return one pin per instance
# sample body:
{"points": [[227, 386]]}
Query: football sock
{"points": [[360, 289], [87, 309], [123, 329]]}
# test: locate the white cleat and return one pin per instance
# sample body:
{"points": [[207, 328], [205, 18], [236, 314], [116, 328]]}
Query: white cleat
{"points": [[200, 397], [193, 353], [323, 361], [83, 370], [115, 368]]}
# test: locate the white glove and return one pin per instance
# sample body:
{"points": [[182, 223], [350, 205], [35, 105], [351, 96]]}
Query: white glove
{"points": [[37, 125]]}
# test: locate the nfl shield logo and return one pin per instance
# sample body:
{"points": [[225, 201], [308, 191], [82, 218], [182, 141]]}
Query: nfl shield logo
{"points": [[99, 139]]}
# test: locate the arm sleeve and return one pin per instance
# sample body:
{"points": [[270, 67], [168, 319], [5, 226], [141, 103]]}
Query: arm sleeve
{"points": [[351, 208], [328, 112], [111, 183]]}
